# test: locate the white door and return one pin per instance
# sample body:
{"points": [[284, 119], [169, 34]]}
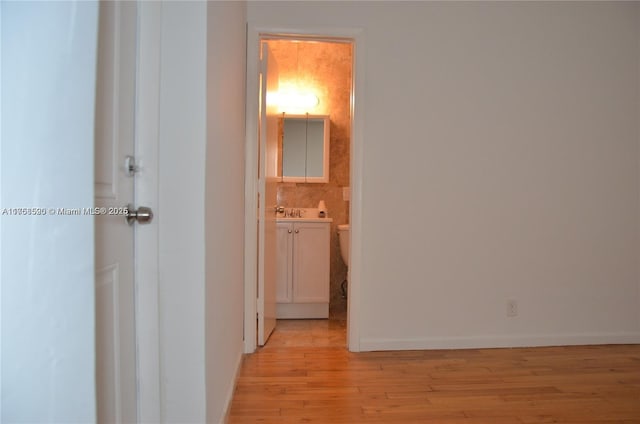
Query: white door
{"points": [[284, 256], [114, 189], [267, 192]]}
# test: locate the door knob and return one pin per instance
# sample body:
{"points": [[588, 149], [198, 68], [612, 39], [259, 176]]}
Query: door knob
{"points": [[143, 215]]}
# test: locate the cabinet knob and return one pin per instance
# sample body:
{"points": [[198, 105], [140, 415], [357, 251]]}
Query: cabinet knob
{"points": [[297, 231], [289, 231]]}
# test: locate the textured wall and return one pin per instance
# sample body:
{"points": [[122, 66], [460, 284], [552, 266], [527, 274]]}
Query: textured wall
{"points": [[324, 69]]}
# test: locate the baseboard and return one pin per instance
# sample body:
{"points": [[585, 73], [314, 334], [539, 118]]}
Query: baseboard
{"points": [[493, 341], [229, 397]]}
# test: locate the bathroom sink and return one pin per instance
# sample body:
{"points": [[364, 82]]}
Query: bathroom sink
{"points": [[301, 215], [303, 219]]}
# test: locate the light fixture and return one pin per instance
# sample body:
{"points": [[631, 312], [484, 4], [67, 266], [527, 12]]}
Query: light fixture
{"points": [[291, 100], [296, 94]]}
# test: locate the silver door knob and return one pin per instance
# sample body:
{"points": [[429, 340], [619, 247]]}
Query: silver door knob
{"points": [[142, 215]]}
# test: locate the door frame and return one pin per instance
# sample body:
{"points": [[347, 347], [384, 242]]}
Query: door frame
{"points": [[254, 36], [145, 249], [146, 265]]}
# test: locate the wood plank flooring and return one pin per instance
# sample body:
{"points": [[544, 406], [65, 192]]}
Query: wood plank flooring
{"points": [[306, 375]]}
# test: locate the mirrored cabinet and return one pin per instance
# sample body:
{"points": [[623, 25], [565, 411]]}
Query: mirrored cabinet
{"points": [[304, 148]]}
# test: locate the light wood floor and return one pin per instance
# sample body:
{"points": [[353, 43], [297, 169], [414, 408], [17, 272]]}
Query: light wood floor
{"points": [[305, 375]]}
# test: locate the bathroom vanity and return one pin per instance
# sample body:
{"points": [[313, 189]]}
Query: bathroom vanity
{"points": [[302, 282]]}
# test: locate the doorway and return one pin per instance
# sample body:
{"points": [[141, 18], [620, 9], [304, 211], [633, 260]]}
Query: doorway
{"points": [[326, 67], [314, 78]]}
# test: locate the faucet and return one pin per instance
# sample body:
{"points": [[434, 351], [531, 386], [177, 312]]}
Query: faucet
{"points": [[293, 213], [290, 213]]}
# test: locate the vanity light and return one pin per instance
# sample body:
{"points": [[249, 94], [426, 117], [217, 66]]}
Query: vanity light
{"points": [[292, 100]]}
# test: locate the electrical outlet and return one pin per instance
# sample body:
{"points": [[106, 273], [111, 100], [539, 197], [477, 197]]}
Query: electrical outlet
{"points": [[512, 308]]}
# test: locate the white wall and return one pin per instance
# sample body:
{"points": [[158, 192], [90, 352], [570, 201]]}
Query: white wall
{"points": [[180, 213], [200, 214], [501, 161], [47, 263], [224, 203], [638, 122]]}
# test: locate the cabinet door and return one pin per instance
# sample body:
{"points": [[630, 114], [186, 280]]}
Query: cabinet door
{"points": [[311, 262], [284, 238]]}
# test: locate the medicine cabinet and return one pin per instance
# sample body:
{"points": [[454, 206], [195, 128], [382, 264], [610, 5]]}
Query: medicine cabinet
{"points": [[304, 148]]}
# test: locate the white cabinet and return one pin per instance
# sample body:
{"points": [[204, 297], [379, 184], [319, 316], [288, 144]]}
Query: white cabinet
{"points": [[302, 285]]}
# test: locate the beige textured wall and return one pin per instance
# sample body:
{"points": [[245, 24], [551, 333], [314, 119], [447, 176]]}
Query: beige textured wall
{"points": [[324, 69]]}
